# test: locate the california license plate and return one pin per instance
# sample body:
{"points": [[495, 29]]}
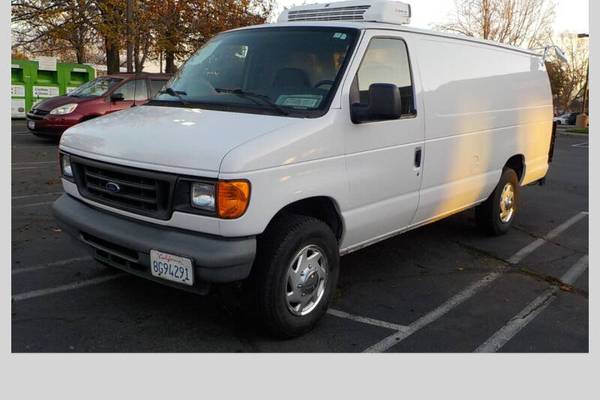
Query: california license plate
{"points": [[171, 267], [31, 124]]}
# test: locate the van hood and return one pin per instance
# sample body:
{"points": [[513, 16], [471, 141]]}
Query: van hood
{"points": [[172, 139], [53, 102]]}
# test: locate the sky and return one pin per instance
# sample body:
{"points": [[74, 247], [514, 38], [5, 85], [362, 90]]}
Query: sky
{"points": [[571, 15]]}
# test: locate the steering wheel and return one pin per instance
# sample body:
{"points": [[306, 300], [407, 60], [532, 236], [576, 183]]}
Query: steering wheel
{"points": [[324, 82]]}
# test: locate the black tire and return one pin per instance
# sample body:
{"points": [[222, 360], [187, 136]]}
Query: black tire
{"points": [[488, 213], [268, 284], [558, 123]]}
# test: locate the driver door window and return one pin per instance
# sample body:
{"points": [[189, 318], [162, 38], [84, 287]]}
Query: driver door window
{"points": [[385, 61]]}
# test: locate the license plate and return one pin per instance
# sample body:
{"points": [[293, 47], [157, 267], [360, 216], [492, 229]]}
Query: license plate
{"points": [[171, 267], [31, 124]]}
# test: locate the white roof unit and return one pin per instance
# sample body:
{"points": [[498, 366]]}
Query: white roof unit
{"points": [[391, 12]]}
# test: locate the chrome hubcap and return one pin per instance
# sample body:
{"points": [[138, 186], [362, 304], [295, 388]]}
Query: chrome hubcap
{"points": [[306, 280], [507, 203]]}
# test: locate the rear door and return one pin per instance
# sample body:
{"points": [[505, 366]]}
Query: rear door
{"points": [[384, 159], [135, 92]]}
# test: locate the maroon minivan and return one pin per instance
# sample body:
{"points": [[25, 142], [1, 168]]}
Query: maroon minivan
{"points": [[105, 94]]}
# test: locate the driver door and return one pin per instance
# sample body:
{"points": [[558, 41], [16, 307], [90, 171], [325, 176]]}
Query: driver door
{"points": [[384, 159]]}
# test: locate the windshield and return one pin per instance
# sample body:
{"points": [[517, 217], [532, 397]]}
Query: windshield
{"points": [[271, 70], [97, 87]]}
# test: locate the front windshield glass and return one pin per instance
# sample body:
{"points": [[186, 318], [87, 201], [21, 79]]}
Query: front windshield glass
{"points": [[97, 87], [270, 70]]}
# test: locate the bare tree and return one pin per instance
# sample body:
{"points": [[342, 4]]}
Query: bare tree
{"points": [[568, 80], [522, 23]]}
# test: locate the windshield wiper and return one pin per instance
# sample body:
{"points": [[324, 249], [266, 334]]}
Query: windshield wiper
{"points": [[250, 95], [176, 93]]}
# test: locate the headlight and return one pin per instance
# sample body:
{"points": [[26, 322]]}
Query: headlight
{"points": [[65, 166], [203, 196], [66, 109]]}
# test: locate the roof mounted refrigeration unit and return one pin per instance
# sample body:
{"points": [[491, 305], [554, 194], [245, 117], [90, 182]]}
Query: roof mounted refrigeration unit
{"points": [[391, 12]]}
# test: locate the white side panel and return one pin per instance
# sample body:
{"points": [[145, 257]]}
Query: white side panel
{"points": [[483, 105]]}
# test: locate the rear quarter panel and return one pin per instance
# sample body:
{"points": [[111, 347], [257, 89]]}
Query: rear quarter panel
{"points": [[483, 105]]}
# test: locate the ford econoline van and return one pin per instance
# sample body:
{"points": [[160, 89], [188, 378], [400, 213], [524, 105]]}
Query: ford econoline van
{"points": [[278, 148]]}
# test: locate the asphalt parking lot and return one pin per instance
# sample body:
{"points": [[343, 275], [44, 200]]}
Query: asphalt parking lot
{"points": [[440, 288]]}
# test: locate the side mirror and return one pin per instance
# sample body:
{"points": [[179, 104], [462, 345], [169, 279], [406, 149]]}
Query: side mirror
{"points": [[117, 97], [384, 104]]}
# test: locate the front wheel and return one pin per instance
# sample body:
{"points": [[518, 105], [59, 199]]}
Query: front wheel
{"points": [[496, 215], [295, 274]]}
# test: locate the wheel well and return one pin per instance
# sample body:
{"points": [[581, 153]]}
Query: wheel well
{"points": [[322, 208], [517, 164]]}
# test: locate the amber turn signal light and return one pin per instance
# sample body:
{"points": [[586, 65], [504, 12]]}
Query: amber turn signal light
{"points": [[232, 198]]}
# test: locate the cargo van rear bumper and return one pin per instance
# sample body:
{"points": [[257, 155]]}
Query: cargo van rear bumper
{"points": [[125, 243]]}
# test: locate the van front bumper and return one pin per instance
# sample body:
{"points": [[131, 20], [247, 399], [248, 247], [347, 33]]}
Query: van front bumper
{"points": [[126, 244]]}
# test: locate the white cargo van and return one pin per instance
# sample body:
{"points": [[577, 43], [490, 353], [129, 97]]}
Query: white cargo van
{"points": [[278, 148]]}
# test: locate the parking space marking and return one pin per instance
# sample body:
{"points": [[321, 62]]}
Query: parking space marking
{"points": [[71, 286], [27, 168], [583, 145], [43, 203], [427, 319], [33, 163], [531, 311], [525, 251], [386, 343], [365, 320], [33, 268], [28, 196]]}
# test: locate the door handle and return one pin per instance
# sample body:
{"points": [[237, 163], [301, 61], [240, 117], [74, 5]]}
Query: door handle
{"points": [[418, 157]]}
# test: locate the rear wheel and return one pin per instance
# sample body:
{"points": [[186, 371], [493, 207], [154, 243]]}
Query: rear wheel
{"points": [[496, 214], [295, 274]]}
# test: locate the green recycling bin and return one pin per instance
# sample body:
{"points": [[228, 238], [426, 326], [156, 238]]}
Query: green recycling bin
{"points": [[32, 81], [21, 73], [71, 76], [45, 83]]}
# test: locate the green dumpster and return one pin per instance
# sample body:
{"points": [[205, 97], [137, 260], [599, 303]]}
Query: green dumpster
{"points": [[37, 80], [71, 76], [20, 87], [45, 83]]}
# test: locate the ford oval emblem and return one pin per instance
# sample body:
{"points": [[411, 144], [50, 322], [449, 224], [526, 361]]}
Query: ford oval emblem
{"points": [[113, 187]]}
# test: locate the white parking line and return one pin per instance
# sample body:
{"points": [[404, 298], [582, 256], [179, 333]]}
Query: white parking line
{"points": [[33, 268], [365, 320], [584, 145], [33, 163], [454, 301], [532, 310], [76, 285], [525, 251], [28, 196], [44, 203], [469, 292], [27, 168]]}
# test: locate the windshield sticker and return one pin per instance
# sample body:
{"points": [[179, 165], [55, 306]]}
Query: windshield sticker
{"points": [[299, 100], [340, 35]]}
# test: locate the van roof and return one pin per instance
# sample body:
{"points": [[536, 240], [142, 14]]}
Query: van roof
{"points": [[393, 27]]}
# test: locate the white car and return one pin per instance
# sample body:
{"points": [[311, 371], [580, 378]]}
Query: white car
{"points": [[565, 119], [278, 148]]}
